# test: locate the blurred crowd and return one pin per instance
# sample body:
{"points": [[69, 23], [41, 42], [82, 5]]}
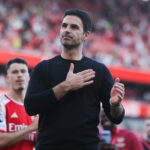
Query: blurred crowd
{"points": [[120, 37], [121, 29]]}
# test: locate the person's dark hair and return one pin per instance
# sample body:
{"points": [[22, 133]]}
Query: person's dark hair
{"points": [[83, 15], [15, 60]]}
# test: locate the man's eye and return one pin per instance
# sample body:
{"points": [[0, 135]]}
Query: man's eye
{"points": [[64, 25], [15, 71], [74, 26], [23, 71]]}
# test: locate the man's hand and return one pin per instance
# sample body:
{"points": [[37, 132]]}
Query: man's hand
{"points": [[117, 93], [74, 81], [107, 146], [80, 79], [34, 125], [7, 139]]}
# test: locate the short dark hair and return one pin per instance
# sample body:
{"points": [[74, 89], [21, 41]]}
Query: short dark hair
{"points": [[15, 60], [83, 15]]}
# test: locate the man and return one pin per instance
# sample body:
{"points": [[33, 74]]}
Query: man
{"points": [[16, 127], [66, 92], [123, 138], [146, 139]]}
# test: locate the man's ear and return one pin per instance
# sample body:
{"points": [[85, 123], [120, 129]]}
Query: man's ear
{"points": [[86, 35]]}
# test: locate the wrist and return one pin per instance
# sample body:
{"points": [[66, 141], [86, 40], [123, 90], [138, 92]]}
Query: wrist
{"points": [[67, 86], [114, 105], [30, 128]]}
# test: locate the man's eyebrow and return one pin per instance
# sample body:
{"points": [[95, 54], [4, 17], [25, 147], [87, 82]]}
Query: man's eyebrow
{"points": [[75, 25], [64, 23], [14, 70]]}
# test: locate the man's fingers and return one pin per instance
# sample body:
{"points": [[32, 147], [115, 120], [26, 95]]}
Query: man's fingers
{"points": [[119, 85], [80, 79], [120, 92], [120, 97], [71, 67], [88, 76], [117, 80], [85, 72], [87, 83]]}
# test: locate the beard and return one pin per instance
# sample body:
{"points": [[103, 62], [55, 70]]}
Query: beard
{"points": [[110, 126], [70, 46], [21, 88]]}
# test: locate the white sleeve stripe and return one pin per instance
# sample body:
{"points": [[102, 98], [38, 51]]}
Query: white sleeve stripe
{"points": [[3, 125]]}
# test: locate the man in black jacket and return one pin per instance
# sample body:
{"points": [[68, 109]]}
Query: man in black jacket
{"points": [[66, 92]]}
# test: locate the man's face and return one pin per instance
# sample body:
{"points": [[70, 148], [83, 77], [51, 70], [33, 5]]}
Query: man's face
{"points": [[147, 127], [18, 76], [72, 33], [106, 123]]}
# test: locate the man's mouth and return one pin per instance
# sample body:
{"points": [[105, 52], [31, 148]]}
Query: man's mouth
{"points": [[67, 37], [20, 81]]}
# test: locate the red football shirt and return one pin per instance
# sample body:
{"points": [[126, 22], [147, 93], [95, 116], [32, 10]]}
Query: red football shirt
{"points": [[13, 118], [126, 140]]}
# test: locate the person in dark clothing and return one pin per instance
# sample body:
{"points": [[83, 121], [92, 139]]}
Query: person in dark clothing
{"points": [[124, 139], [66, 92]]}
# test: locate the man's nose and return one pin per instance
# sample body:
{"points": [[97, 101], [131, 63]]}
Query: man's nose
{"points": [[19, 73], [67, 29]]}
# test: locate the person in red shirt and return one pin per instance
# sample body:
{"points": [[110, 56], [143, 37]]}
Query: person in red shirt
{"points": [[17, 129], [146, 138], [123, 139]]}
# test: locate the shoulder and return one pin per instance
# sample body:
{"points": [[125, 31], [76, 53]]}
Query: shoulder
{"points": [[3, 99], [101, 69], [96, 64], [42, 68], [125, 131], [47, 62], [93, 61], [128, 133], [3, 104]]}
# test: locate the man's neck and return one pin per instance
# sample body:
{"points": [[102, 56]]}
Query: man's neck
{"points": [[74, 54], [17, 95]]}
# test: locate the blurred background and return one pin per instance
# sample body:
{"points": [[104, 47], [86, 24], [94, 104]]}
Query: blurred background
{"points": [[120, 39]]}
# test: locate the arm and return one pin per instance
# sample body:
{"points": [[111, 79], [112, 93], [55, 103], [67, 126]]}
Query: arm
{"points": [[117, 95], [40, 99], [7, 139], [112, 96]]}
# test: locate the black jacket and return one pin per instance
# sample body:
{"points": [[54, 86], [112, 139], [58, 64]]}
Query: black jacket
{"points": [[72, 121]]}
